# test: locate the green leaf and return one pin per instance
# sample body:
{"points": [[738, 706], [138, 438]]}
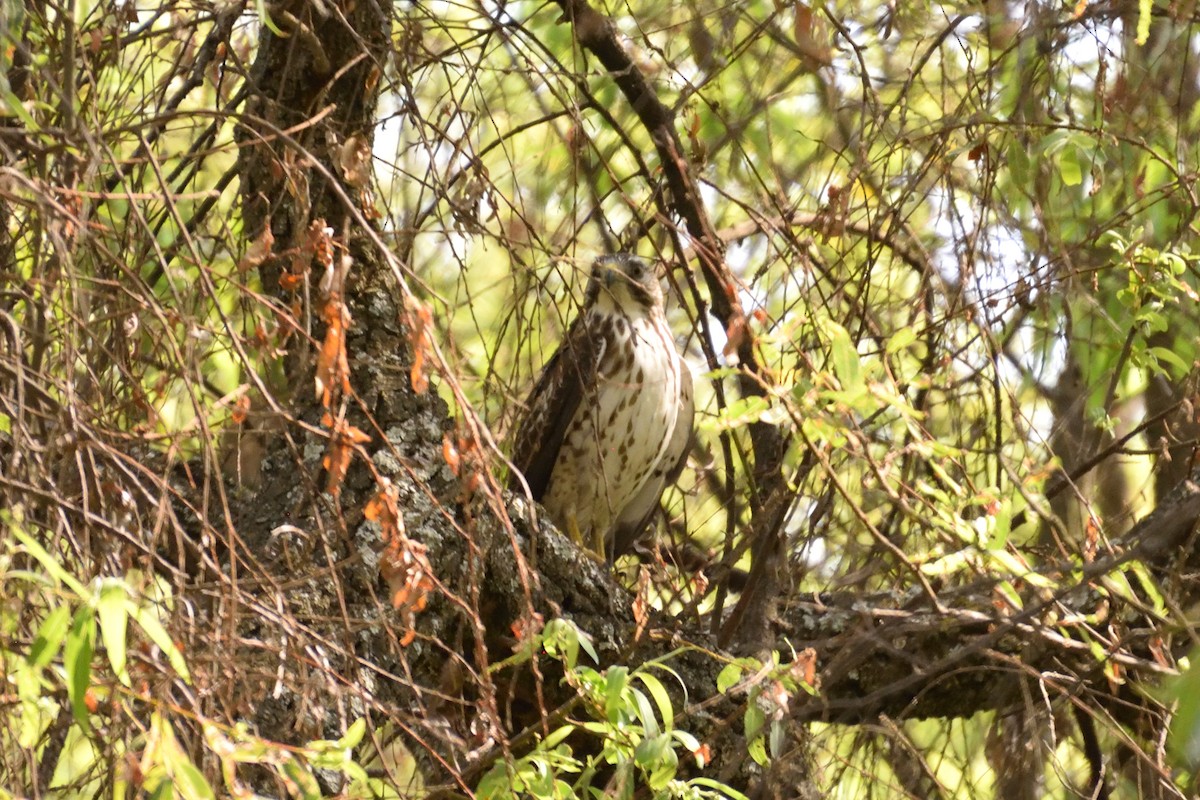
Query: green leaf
{"points": [[1184, 737], [778, 739], [728, 677], [616, 679], [265, 16], [758, 751], [147, 620], [660, 759], [293, 771], [585, 643], [48, 562], [111, 607], [50, 637], [651, 750], [900, 340], [354, 734], [165, 790], [1001, 526], [754, 720], [1179, 367], [687, 740], [717, 786], [36, 710], [739, 413], [1018, 161], [1010, 593], [645, 713], [1149, 586], [623, 779], [494, 783], [77, 660], [843, 354], [560, 638], [1069, 168], [557, 737], [190, 781], [355, 772], [661, 699], [14, 106]]}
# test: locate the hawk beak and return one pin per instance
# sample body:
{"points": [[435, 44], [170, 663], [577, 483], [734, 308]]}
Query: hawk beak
{"points": [[610, 275]]}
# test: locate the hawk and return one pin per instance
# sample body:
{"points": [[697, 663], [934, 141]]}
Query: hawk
{"points": [[608, 425]]}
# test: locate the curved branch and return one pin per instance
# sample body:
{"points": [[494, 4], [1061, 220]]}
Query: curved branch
{"points": [[749, 622]]}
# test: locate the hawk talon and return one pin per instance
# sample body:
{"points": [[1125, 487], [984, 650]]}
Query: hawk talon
{"points": [[598, 548], [576, 536]]}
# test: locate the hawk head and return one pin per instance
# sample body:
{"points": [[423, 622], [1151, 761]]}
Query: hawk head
{"points": [[623, 284]]}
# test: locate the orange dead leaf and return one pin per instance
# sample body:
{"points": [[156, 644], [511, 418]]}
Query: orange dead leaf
{"points": [[702, 754], [450, 453], [372, 81], [526, 626], [355, 161], [337, 463], [420, 321], [832, 216], [320, 239], [1115, 674], [777, 699], [1159, 652], [811, 36], [805, 666], [241, 408], [1091, 540], [133, 770], [117, 494], [333, 366], [382, 508], [343, 438], [420, 383], [289, 282], [258, 251], [463, 458], [735, 337], [403, 564]]}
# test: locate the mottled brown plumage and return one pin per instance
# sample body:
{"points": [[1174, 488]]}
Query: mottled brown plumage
{"points": [[609, 423]]}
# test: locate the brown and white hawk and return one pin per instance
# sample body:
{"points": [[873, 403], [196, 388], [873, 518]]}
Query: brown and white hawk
{"points": [[608, 425]]}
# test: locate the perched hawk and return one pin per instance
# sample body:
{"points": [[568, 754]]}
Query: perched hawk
{"points": [[609, 423]]}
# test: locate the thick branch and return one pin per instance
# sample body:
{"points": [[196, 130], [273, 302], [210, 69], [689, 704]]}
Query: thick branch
{"points": [[899, 657]]}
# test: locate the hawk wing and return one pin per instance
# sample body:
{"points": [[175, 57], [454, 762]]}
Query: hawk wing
{"points": [[567, 377], [637, 515]]}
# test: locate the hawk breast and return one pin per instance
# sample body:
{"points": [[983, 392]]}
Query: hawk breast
{"points": [[622, 426]]}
